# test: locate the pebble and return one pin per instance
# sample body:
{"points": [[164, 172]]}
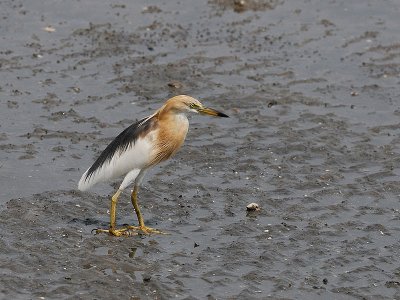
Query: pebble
{"points": [[253, 207]]}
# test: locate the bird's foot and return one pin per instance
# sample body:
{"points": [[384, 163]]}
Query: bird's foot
{"points": [[129, 231], [116, 232], [145, 229]]}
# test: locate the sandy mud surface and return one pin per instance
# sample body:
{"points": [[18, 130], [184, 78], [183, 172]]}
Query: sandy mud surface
{"points": [[312, 88]]}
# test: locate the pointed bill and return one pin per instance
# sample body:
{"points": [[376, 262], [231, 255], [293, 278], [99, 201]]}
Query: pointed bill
{"points": [[212, 112]]}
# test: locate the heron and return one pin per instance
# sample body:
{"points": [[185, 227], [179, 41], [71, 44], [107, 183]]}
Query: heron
{"points": [[138, 148]]}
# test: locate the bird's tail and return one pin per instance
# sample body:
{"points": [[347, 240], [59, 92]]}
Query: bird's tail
{"points": [[85, 182]]}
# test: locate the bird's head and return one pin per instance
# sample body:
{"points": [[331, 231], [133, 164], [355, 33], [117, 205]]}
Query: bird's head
{"points": [[185, 104]]}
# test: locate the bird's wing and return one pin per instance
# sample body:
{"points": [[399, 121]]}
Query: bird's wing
{"points": [[129, 150]]}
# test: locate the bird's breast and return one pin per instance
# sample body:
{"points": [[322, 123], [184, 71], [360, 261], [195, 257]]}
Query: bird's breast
{"points": [[174, 132], [179, 126], [170, 136]]}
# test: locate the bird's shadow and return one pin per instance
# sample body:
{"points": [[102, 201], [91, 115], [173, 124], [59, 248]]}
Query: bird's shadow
{"points": [[88, 222]]}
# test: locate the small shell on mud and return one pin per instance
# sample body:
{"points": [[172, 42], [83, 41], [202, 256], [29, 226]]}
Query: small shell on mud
{"points": [[49, 28], [253, 207], [240, 2]]}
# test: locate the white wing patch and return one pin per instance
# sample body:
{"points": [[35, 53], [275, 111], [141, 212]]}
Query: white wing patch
{"points": [[136, 156]]}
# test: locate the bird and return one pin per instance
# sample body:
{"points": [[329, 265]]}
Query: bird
{"points": [[139, 147]]}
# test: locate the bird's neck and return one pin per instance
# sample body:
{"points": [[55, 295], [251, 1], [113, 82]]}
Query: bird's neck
{"points": [[175, 125], [176, 121], [171, 133], [168, 113]]}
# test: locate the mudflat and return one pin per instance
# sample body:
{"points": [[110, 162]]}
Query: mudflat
{"points": [[312, 90]]}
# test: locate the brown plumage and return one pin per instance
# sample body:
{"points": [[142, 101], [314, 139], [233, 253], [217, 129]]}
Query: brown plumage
{"points": [[171, 133], [140, 146]]}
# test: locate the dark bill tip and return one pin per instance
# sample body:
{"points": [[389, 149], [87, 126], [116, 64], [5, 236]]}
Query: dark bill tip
{"points": [[212, 112], [220, 114]]}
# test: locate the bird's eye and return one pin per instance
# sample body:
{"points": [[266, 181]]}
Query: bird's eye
{"points": [[192, 105]]}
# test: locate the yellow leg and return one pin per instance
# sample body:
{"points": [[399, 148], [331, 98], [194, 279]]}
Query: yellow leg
{"points": [[127, 231], [136, 206], [142, 227], [113, 209], [113, 213]]}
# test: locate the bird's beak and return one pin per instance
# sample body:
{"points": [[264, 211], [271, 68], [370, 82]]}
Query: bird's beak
{"points": [[212, 112]]}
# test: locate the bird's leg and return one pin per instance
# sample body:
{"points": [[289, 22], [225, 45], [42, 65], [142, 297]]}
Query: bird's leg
{"points": [[136, 206], [113, 209], [142, 227], [113, 213]]}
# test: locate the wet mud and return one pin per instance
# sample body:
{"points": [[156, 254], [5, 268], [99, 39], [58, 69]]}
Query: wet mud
{"points": [[312, 88]]}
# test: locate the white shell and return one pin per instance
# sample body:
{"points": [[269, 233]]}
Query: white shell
{"points": [[253, 207]]}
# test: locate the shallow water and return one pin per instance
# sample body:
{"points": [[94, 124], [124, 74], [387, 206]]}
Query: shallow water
{"points": [[312, 91]]}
